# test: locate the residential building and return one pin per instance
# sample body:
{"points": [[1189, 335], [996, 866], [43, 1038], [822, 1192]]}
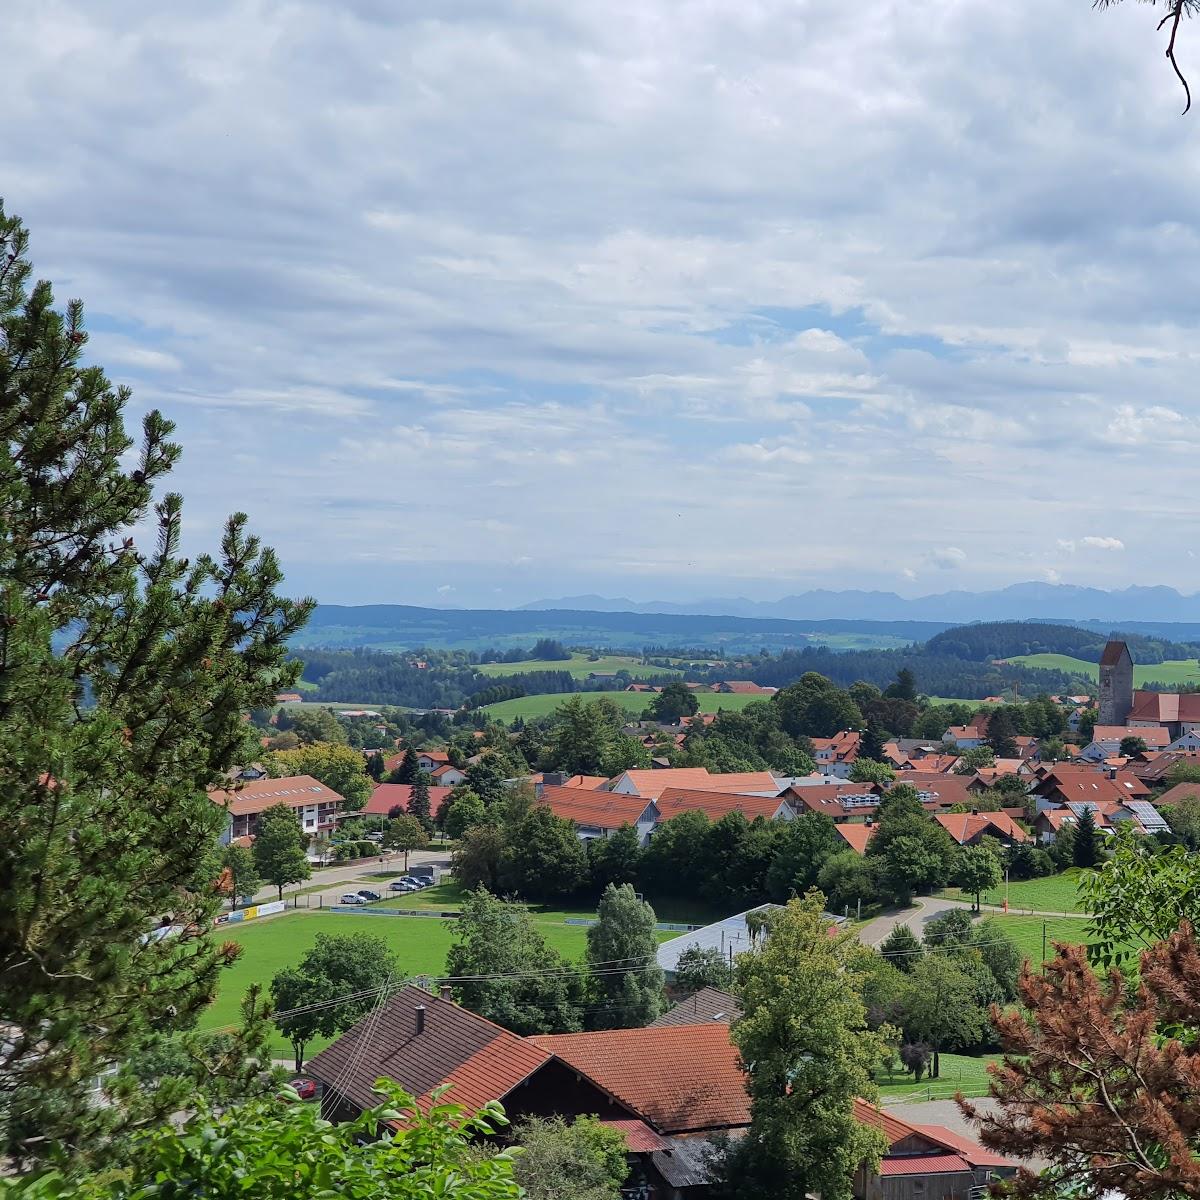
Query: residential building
{"points": [[742, 687], [448, 776], [1106, 740], [652, 784], [840, 802], [289, 698], [838, 754], [857, 835], [708, 1004], [430, 760], [317, 806], [1065, 782], [969, 829], [389, 796], [1181, 791], [715, 805], [600, 814], [965, 737]]}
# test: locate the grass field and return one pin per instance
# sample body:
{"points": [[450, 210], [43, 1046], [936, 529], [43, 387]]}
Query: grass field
{"points": [[959, 1073], [1054, 893], [1173, 671], [632, 702], [578, 666], [419, 943], [1027, 933]]}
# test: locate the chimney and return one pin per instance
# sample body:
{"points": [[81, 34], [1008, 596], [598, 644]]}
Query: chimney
{"points": [[974, 812], [445, 992], [420, 1019]]}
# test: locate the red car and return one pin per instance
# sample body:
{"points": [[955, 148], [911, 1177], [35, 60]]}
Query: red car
{"points": [[306, 1089]]}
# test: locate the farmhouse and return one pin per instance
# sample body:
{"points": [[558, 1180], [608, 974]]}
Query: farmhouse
{"points": [[715, 805], [1106, 739], [599, 814]]}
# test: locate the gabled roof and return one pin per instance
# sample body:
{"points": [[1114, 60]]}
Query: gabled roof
{"points": [[1181, 791], [480, 1060], [256, 795], [639, 1137], [679, 1078], [1113, 653], [973, 1152], [857, 836], [1166, 708], [1155, 738], [589, 783], [598, 810], [707, 1005], [652, 784], [1090, 783], [387, 796], [674, 801], [965, 827]]}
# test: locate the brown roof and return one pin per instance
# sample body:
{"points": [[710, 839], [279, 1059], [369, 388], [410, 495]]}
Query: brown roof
{"points": [[705, 1006], [480, 1060], [386, 796], [679, 1078], [827, 798], [674, 801], [256, 795], [964, 827], [1113, 653], [602, 810], [937, 790], [1156, 738], [1090, 783], [1181, 791], [653, 783], [1167, 708], [639, 1137]]}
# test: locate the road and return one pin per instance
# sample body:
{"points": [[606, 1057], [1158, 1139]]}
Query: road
{"points": [[925, 908], [338, 878]]}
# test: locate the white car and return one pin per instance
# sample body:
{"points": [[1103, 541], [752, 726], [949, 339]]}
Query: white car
{"points": [[351, 898]]}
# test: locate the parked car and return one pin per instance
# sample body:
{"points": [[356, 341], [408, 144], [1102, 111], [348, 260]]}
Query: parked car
{"points": [[306, 1089], [351, 898], [398, 885], [369, 895]]}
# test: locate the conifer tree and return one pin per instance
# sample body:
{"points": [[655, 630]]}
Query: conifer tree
{"points": [[418, 801], [125, 673]]}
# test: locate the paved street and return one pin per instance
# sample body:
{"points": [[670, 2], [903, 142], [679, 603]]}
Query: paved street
{"points": [[921, 911], [333, 881]]}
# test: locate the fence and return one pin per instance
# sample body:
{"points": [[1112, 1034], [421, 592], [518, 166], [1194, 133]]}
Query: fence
{"points": [[248, 914]]}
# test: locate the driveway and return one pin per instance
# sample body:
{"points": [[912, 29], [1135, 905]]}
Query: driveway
{"points": [[916, 916]]}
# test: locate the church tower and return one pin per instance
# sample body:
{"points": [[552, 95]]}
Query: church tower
{"points": [[1116, 684]]}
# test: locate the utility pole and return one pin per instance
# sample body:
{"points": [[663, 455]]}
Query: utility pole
{"points": [[1043, 947]]}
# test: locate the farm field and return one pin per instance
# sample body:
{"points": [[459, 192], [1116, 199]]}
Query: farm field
{"points": [[1173, 671], [1054, 893], [959, 1073], [632, 702], [578, 666]]}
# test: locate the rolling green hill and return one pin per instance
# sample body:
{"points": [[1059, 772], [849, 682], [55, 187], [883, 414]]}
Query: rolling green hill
{"points": [[633, 702], [1172, 672], [577, 666]]}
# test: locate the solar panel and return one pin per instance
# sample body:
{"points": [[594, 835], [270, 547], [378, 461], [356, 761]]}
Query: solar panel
{"points": [[1151, 819]]}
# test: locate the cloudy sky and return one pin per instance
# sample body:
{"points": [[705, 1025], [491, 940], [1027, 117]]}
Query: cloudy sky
{"points": [[471, 302]]}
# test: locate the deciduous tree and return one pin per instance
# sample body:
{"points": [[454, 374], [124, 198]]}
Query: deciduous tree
{"points": [[543, 856], [279, 847], [626, 980], [405, 834], [582, 1159], [465, 809], [476, 858], [977, 870], [801, 850], [243, 875], [338, 767], [700, 967]]}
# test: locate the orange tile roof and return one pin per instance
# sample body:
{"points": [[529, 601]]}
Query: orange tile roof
{"points": [[674, 801], [603, 810], [962, 827], [680, 1078], [652, 784], [857, 836], [387, 796], [591, 783], [639, 1137], [256, 795], [490, 1073]]}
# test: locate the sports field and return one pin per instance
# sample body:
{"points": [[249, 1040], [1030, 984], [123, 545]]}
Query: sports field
{"points": [[1173, 671], [578, 666], [633, 703], [959, 1073]]}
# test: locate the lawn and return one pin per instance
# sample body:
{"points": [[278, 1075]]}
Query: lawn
{"points": [[1054, 893], [578, 666], [633, 702], [1173, 671], [1028, 933], [959, 1073]]}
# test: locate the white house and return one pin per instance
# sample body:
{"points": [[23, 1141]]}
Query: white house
{"points": [[965, 737]]}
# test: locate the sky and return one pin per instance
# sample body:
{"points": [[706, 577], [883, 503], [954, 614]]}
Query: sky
{"points": [[470, 303]]}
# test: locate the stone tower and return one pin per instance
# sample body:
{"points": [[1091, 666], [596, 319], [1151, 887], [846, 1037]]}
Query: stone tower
{"points": [[1116, 684]]}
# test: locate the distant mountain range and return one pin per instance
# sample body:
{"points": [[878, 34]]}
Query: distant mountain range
{"points": [[1021, 601]]}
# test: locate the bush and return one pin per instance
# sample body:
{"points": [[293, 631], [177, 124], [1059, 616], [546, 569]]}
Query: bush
{"points": [[365, 849]]}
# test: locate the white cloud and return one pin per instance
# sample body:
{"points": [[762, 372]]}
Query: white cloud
{"points": [[390, 267]]}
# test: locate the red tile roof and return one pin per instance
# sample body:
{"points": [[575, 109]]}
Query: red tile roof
{"points": [[590, 783], [924, 1164], [601, 810], [1157, 738], [674, 801], [964, 827], [1181, 791], [893, 1128], [973, 1152], [680, 1078], [652, 783], [857, 836], [827, 798], [490, 1073], [639, 1137], [256, 795], [1168, 708], [387, 796]]}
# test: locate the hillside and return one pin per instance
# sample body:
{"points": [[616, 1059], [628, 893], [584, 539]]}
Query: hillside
{"points": [[632, 702], [1172, 673], [1015, 640]]}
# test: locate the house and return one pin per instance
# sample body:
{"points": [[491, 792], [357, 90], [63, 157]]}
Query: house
{"points": [[389, 796], [668, 1088], [602, 676], [856, 835], [969, 829], [708, 1004], [840, 802], [317, 806], [1107, 739], [642, 687], [448, 776], [965, 737], [289, 698], [838, 754], [1065, 782], [938, 793], [600, 814], [430, 760], [1107, 815], [1181, 791], [715, 805], [1155, 770], [652, 784], [742, 687], [1188, 742], [1075, 719]]}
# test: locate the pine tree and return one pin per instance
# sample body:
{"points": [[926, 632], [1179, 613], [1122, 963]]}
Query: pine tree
{"points": [[408, 769], [1086, 837], [623, 940], [125, 671], [418, 801]]}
